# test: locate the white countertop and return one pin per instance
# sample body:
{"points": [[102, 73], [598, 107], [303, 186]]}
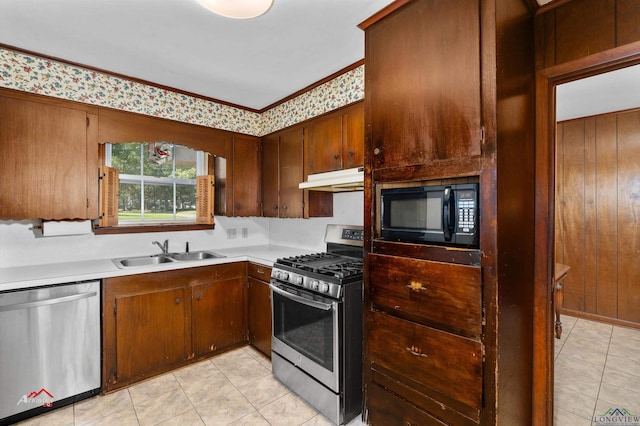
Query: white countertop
{"points": [[57, 273]]}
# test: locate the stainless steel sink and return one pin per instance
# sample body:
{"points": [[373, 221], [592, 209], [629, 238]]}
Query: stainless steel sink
{"points": [[136, 261], [194, 255], [128, 262]]}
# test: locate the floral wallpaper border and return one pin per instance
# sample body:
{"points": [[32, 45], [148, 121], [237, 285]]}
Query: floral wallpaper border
{"points": [[33, 74]]}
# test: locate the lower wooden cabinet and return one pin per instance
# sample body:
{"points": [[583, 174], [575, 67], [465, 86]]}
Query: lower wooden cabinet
{"points": [[216, 315], [149, 331], [156, 322], [259, 312]]}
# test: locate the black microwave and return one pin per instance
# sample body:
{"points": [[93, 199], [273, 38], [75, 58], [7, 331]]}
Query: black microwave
{"points": [[431, 214]]}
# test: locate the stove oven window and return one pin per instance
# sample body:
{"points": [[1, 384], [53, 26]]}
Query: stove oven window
{"points": [[306, 329]]}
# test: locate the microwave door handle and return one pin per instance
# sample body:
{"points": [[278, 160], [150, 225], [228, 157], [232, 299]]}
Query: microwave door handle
{"points": [[448, 212]]}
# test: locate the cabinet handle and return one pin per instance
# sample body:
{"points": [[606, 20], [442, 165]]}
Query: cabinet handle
{"points": [[414, 350], [260, 271], [177, 300], [284, 207], [275, 207], [377, 151], [238, 206], [351, 153], [336, 156], [199, 297]]}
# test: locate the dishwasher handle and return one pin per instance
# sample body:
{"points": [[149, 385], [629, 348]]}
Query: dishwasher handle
{"points": [[46, 302]]}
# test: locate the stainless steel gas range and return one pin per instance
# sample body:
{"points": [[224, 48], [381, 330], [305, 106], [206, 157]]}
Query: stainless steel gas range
{"points": [[316, 346]]}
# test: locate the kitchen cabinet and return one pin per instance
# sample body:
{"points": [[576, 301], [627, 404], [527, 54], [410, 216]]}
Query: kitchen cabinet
{"points": [[423, 84], [159, 321], [281, 174], [335, 141], [217, 310], [48, 159], [246, 193], [259, 312], [447, 329]]}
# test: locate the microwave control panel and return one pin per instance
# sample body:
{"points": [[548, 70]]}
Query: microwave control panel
{"points": [[467, 207]]}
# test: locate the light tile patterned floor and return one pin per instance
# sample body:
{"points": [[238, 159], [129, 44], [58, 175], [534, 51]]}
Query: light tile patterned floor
{"points": [[235, 388], [597, 367]]}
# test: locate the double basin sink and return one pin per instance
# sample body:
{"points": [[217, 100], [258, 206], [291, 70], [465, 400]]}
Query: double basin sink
{"points": [[158, 259]]}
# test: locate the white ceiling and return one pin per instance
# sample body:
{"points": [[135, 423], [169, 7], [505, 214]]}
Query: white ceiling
{"points": [[177, 43]]}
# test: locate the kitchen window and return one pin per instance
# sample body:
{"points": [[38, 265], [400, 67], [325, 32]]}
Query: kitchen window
{"points": [[155, 184]]}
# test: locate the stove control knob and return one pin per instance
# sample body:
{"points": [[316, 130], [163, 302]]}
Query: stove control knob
{"points": [[324, 287], [284, 276], [315, 285], [299, 279]]}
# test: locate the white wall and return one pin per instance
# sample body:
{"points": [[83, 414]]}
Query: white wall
{"points": [[20, 247]]}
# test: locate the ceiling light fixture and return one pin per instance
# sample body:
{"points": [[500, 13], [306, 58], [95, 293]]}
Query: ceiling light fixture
{"points": [[237, 9]]}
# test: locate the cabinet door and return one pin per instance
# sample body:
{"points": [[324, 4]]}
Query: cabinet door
{"points": [[43, 162], [217, 315], [246, 176], [291, 173], [323, 145], [260, 315], [270, 176], [353, 136], [423, 83], [149, 332]]}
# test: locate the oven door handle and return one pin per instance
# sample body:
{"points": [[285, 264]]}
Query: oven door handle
{"points": [[304, 301]]}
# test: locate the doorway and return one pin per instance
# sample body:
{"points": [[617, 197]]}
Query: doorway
{"points": [[547, 81]]}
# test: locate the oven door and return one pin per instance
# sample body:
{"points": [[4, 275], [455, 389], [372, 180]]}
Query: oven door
{"points": [[306, 332]]}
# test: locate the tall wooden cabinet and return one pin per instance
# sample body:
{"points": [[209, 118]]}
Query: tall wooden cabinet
{"points": [[449, 99], [246, 193]]}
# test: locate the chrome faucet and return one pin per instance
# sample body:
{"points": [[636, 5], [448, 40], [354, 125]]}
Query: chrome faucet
{"points": [[164, 246]]}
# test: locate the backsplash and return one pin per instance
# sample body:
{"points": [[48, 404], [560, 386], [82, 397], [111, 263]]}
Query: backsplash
{"points": [[20, 247], [29, 73]]}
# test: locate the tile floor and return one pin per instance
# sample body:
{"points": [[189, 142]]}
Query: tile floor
{"points": [[235, 388], [597, 367]]}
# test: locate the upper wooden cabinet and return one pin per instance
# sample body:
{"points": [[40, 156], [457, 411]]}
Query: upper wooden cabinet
{"points": [[246, 193], [423, 85], [48, 161], [335, 141], [281, 174]]}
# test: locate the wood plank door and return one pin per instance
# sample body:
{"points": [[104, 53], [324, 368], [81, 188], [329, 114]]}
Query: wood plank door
{"points": [[291, 173]]}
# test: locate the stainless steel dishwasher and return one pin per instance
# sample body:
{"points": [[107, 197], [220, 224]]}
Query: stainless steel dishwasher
{"points": [[49, 348]]}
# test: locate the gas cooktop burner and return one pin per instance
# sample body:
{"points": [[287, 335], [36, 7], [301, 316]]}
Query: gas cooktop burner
{"points": [[324, 263]]}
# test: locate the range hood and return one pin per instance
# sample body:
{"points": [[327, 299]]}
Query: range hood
{"points": [[338, 181]]}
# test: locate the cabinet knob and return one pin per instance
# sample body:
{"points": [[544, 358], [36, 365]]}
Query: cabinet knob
{"points": [[284, 207], [336, 156], [237, 206], [177, 300], [377, 151], [351, 153], [275, 207], [199, 297]]}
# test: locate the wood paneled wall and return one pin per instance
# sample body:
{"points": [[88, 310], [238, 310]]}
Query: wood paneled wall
{"points": [[598, 214], [581, 28]]}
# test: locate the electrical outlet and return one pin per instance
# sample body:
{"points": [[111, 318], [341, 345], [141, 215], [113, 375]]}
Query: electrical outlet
{"points": [[232, 233], [245, 232]]}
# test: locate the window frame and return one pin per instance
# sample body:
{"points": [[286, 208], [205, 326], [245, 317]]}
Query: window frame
{"points": [[204, 162]]}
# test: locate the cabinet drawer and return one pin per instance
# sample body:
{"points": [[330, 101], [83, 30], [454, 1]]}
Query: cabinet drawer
{"points": [[388, 409], [229, 270], [443, 295], [259, 272], [439, 363]]}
